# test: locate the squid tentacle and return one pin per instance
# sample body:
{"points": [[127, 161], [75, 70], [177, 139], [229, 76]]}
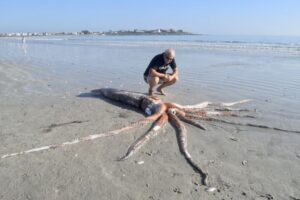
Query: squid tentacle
{"points": [[208, 103], [133, 125], [146, 137], [250, 124], [192, 122], [182, 116], [182, 140]]}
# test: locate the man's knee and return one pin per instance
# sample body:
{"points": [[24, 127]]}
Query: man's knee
{"points": [[175, 79], [153, 80]]}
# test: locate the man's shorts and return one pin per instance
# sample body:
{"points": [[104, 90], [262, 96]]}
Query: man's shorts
{"points": [[148, 78]]}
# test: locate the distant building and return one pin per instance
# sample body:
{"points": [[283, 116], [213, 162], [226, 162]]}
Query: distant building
{"points": [[86, 32]]}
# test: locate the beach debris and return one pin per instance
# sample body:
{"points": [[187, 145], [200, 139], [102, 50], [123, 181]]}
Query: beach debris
{"points": [[211, 162], [298, 155], [244, 162], [249, 116], [148, 153], [151, 197], [52, 126], [294, 198], [140, 162], [233, 139], [267, 196], [195, 183], [211, 189], [177, 190]]}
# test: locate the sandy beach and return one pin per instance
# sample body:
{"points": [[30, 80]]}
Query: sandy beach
{"points": [[242, 162]]}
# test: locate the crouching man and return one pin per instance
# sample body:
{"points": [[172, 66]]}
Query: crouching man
{"points": [[156, 72]]}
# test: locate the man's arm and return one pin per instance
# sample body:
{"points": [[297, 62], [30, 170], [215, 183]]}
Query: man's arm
{"points": [[175, 73], [154, 73]]}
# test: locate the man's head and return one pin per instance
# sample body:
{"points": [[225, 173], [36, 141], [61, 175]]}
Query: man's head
{"points": [[169, 55]]}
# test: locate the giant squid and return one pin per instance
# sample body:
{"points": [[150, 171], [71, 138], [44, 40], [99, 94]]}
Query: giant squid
{"points": [[159, 113]]}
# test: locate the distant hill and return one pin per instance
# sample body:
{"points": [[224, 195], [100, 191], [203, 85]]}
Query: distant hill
{"points": [[86, 32], [148, 32]]}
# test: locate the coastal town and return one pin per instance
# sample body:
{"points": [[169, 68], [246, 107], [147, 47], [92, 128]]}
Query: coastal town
{"points": [[110, 32]]}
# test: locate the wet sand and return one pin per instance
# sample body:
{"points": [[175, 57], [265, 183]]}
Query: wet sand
{"points": [[242, 162]]}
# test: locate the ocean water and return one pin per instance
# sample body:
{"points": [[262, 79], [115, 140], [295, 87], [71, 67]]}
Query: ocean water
{"points": [[212, 68]]}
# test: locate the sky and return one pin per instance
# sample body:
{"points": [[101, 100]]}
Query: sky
{"points": [[237, 17]]}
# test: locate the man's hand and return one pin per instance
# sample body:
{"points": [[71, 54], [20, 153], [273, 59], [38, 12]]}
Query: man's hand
{"points": [[167, 77]]}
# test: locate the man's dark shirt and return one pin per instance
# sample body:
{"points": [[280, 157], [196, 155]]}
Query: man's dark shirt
{"points": [[158, 64]]}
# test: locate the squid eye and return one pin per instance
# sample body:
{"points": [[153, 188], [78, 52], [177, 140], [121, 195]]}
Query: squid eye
{"points": [[172, 111]]}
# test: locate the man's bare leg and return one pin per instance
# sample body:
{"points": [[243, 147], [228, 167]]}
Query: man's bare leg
{"points": [[161, 91], [165, 84], [152, 83]]}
